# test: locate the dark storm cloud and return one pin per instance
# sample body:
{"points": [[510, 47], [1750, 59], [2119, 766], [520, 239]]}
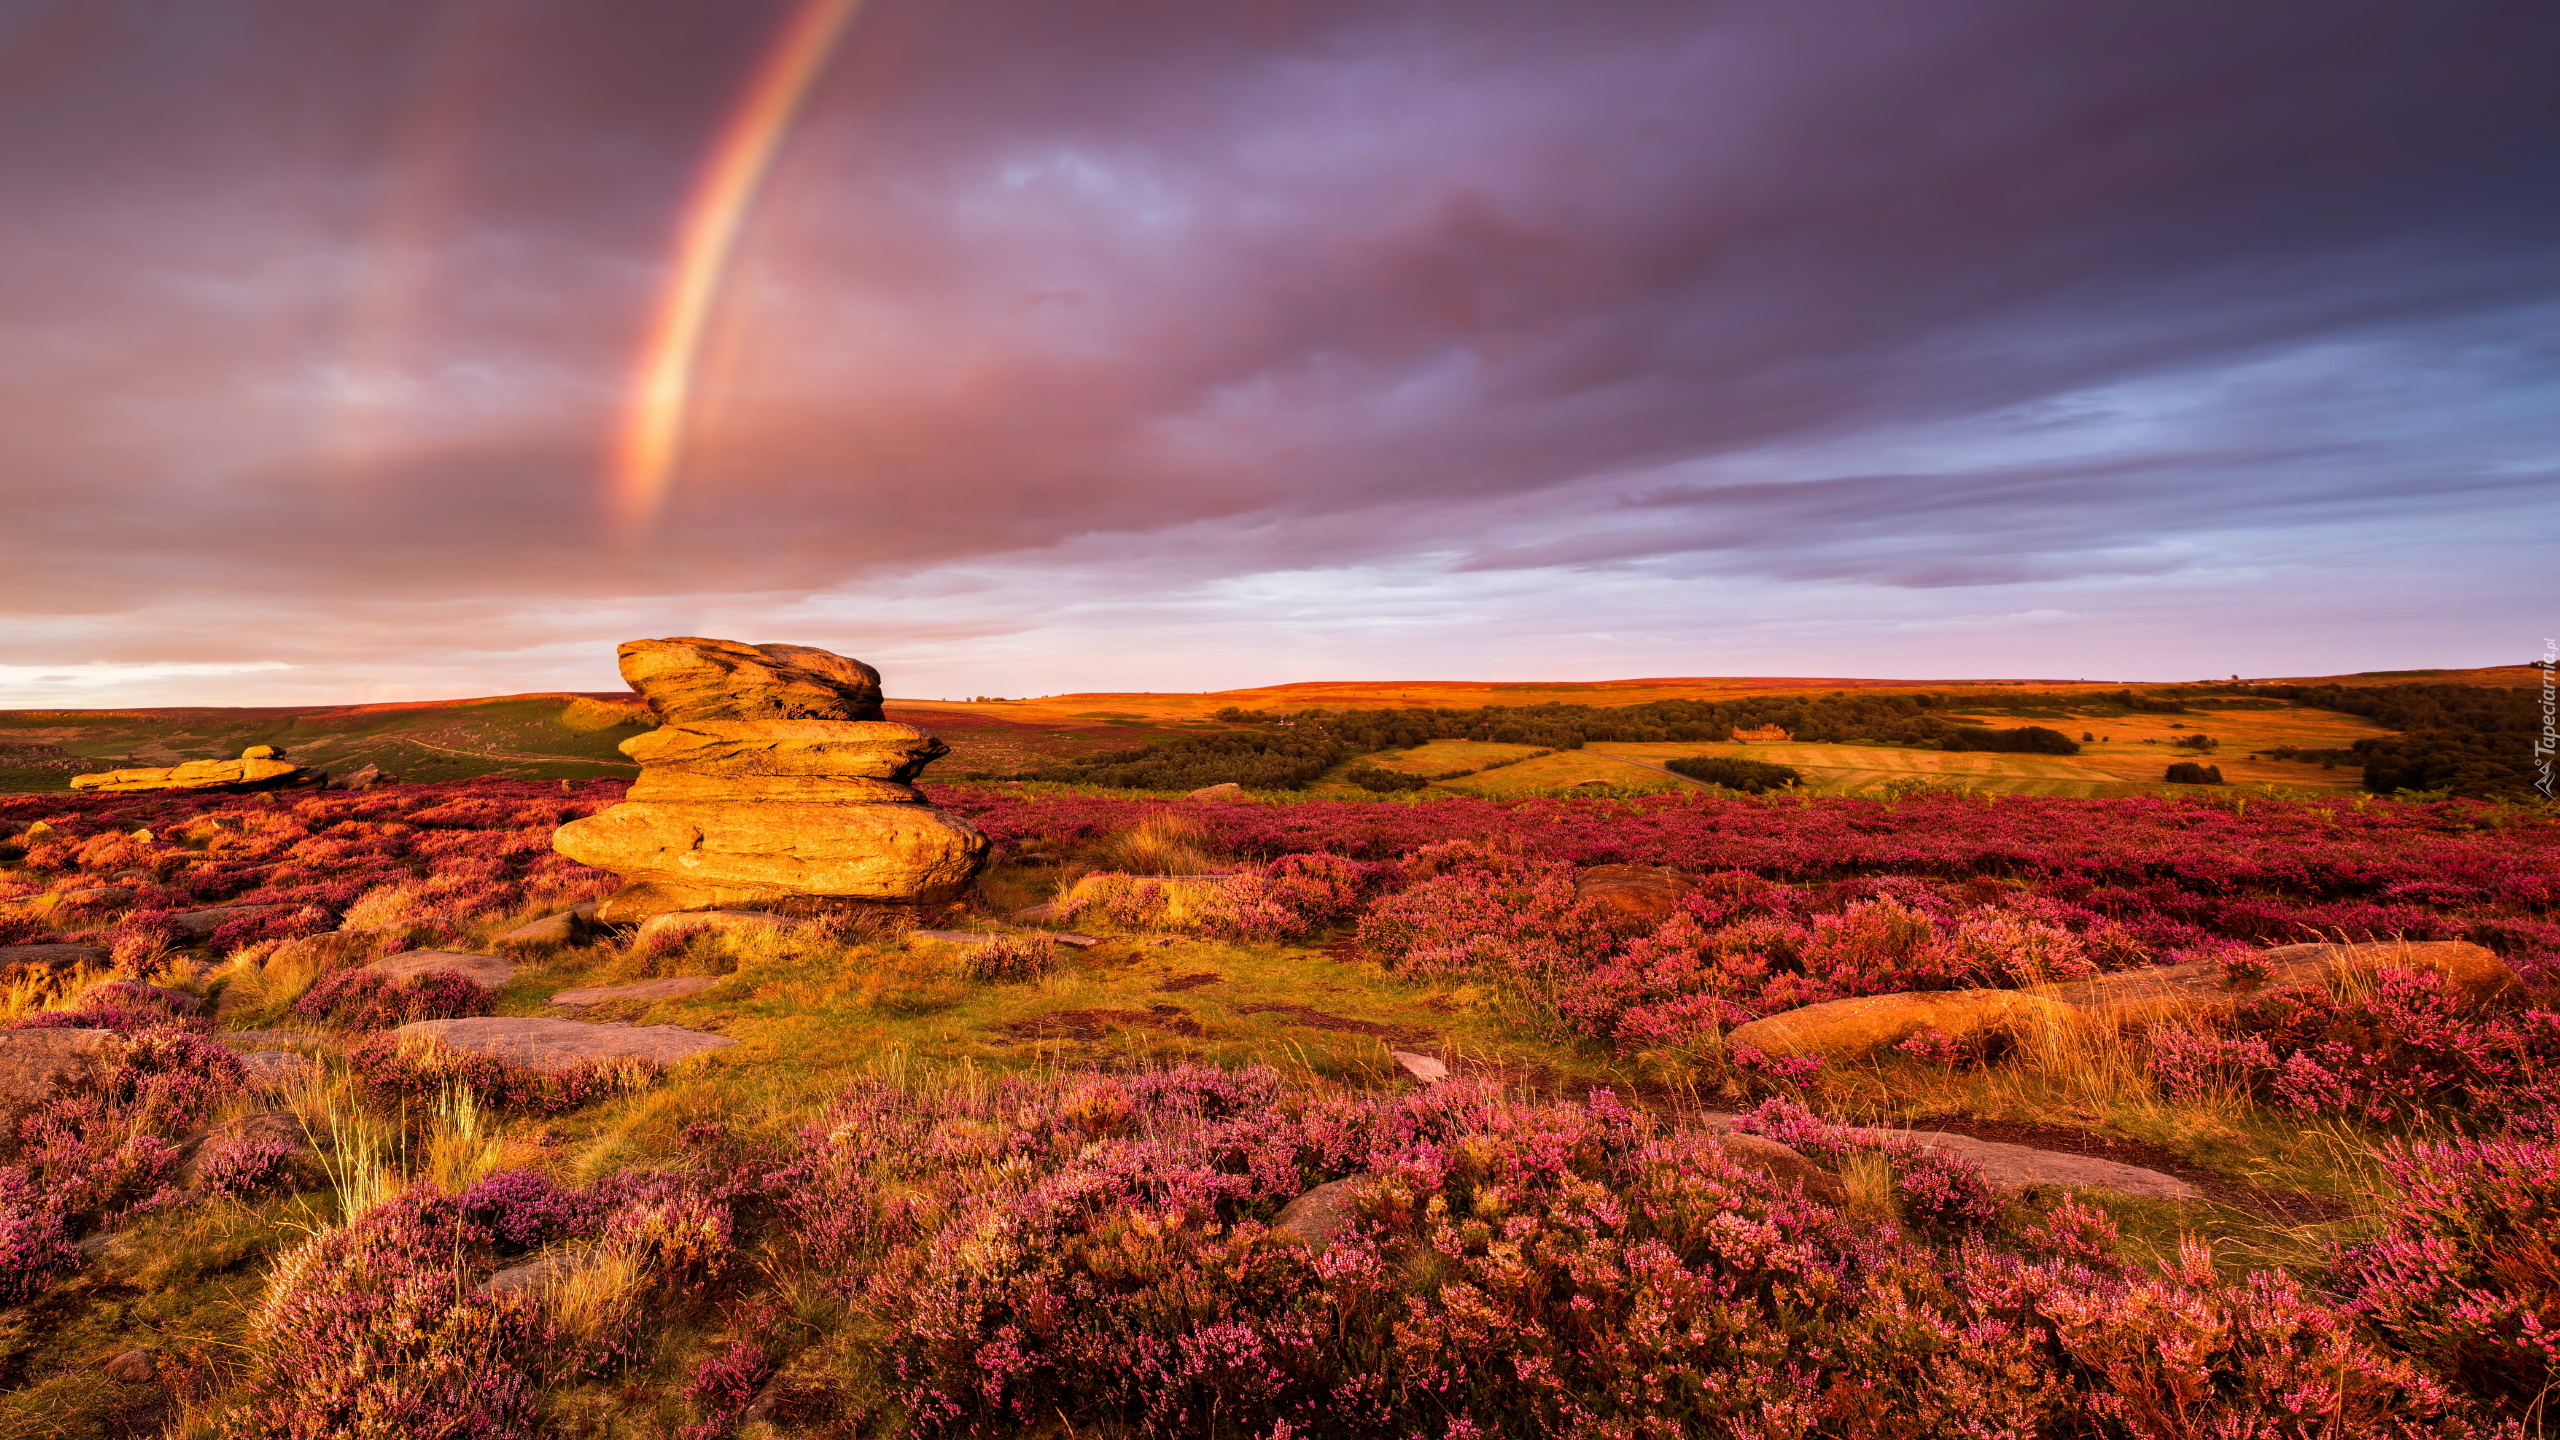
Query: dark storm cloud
{"points": [[338, 300]]}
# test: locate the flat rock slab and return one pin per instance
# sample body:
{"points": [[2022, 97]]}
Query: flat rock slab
{"points": [[720, 922], [276, 1040], [565, 1044], [489, 970], [200, 924], [667, 989], [37, 1066], [277, 1069], [2016, 1167], [19, 959]]}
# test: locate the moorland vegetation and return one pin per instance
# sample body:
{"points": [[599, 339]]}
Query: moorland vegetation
{"points": [[1016, 1188]]}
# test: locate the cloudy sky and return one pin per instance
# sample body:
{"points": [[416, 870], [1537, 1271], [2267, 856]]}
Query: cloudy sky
{"points": [[1161, 344]]}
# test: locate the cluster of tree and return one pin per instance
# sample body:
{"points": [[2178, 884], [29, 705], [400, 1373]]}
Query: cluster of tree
{"points": [[1383, 781], [2325, 758], [2024, 740], [2471, 740], [1755, 776], [2188, 772], [2198, 741]]}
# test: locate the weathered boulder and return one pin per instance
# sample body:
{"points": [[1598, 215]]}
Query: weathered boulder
{"points": [[40, 1066], [698, 854], [2177, 992], [1647, 891], [773, 775], [256, 767], [671, 988], [1848, 1029], [689, 678], [1229, 790], [489, 970]]}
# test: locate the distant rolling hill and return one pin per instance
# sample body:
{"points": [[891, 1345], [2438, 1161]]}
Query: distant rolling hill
{"points": [[567, 735]]}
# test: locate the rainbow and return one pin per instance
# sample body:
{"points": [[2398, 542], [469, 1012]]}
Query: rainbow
{"points": [[650, 445]]}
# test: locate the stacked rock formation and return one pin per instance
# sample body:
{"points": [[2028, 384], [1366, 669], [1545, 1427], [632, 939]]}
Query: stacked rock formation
{"points": [[258, 766], [771, 775]]}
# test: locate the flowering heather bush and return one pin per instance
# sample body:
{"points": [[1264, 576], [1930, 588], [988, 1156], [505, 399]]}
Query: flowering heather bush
{"points": [[1739, 948], [2165, 874], [440, 855], [1012, 960], [395, 1067], [2467, 1276], [1095, 1252], [375, 1329], [369, 1000], [2411, 1048], [248, 1165], [119, 1005], [87, 1155], [35, 1240]]}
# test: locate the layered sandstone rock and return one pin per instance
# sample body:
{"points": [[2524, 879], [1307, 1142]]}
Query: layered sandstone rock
{"points": [[773, 775], [257, 767]]}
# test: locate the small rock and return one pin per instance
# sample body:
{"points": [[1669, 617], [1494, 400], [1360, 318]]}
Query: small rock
{"points": [[278, 1069], [38, 831], [1035, 914], [1068, 938], [488, 970], [260, 752], [1647, 891], [1783, 1163], [955, 937], [667, 989], [566, 928], [133, 1367], [1425, 1068], [565, 1044], [1227, 791], [534, 1274], [1323, 1214], [276, 1040]]}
